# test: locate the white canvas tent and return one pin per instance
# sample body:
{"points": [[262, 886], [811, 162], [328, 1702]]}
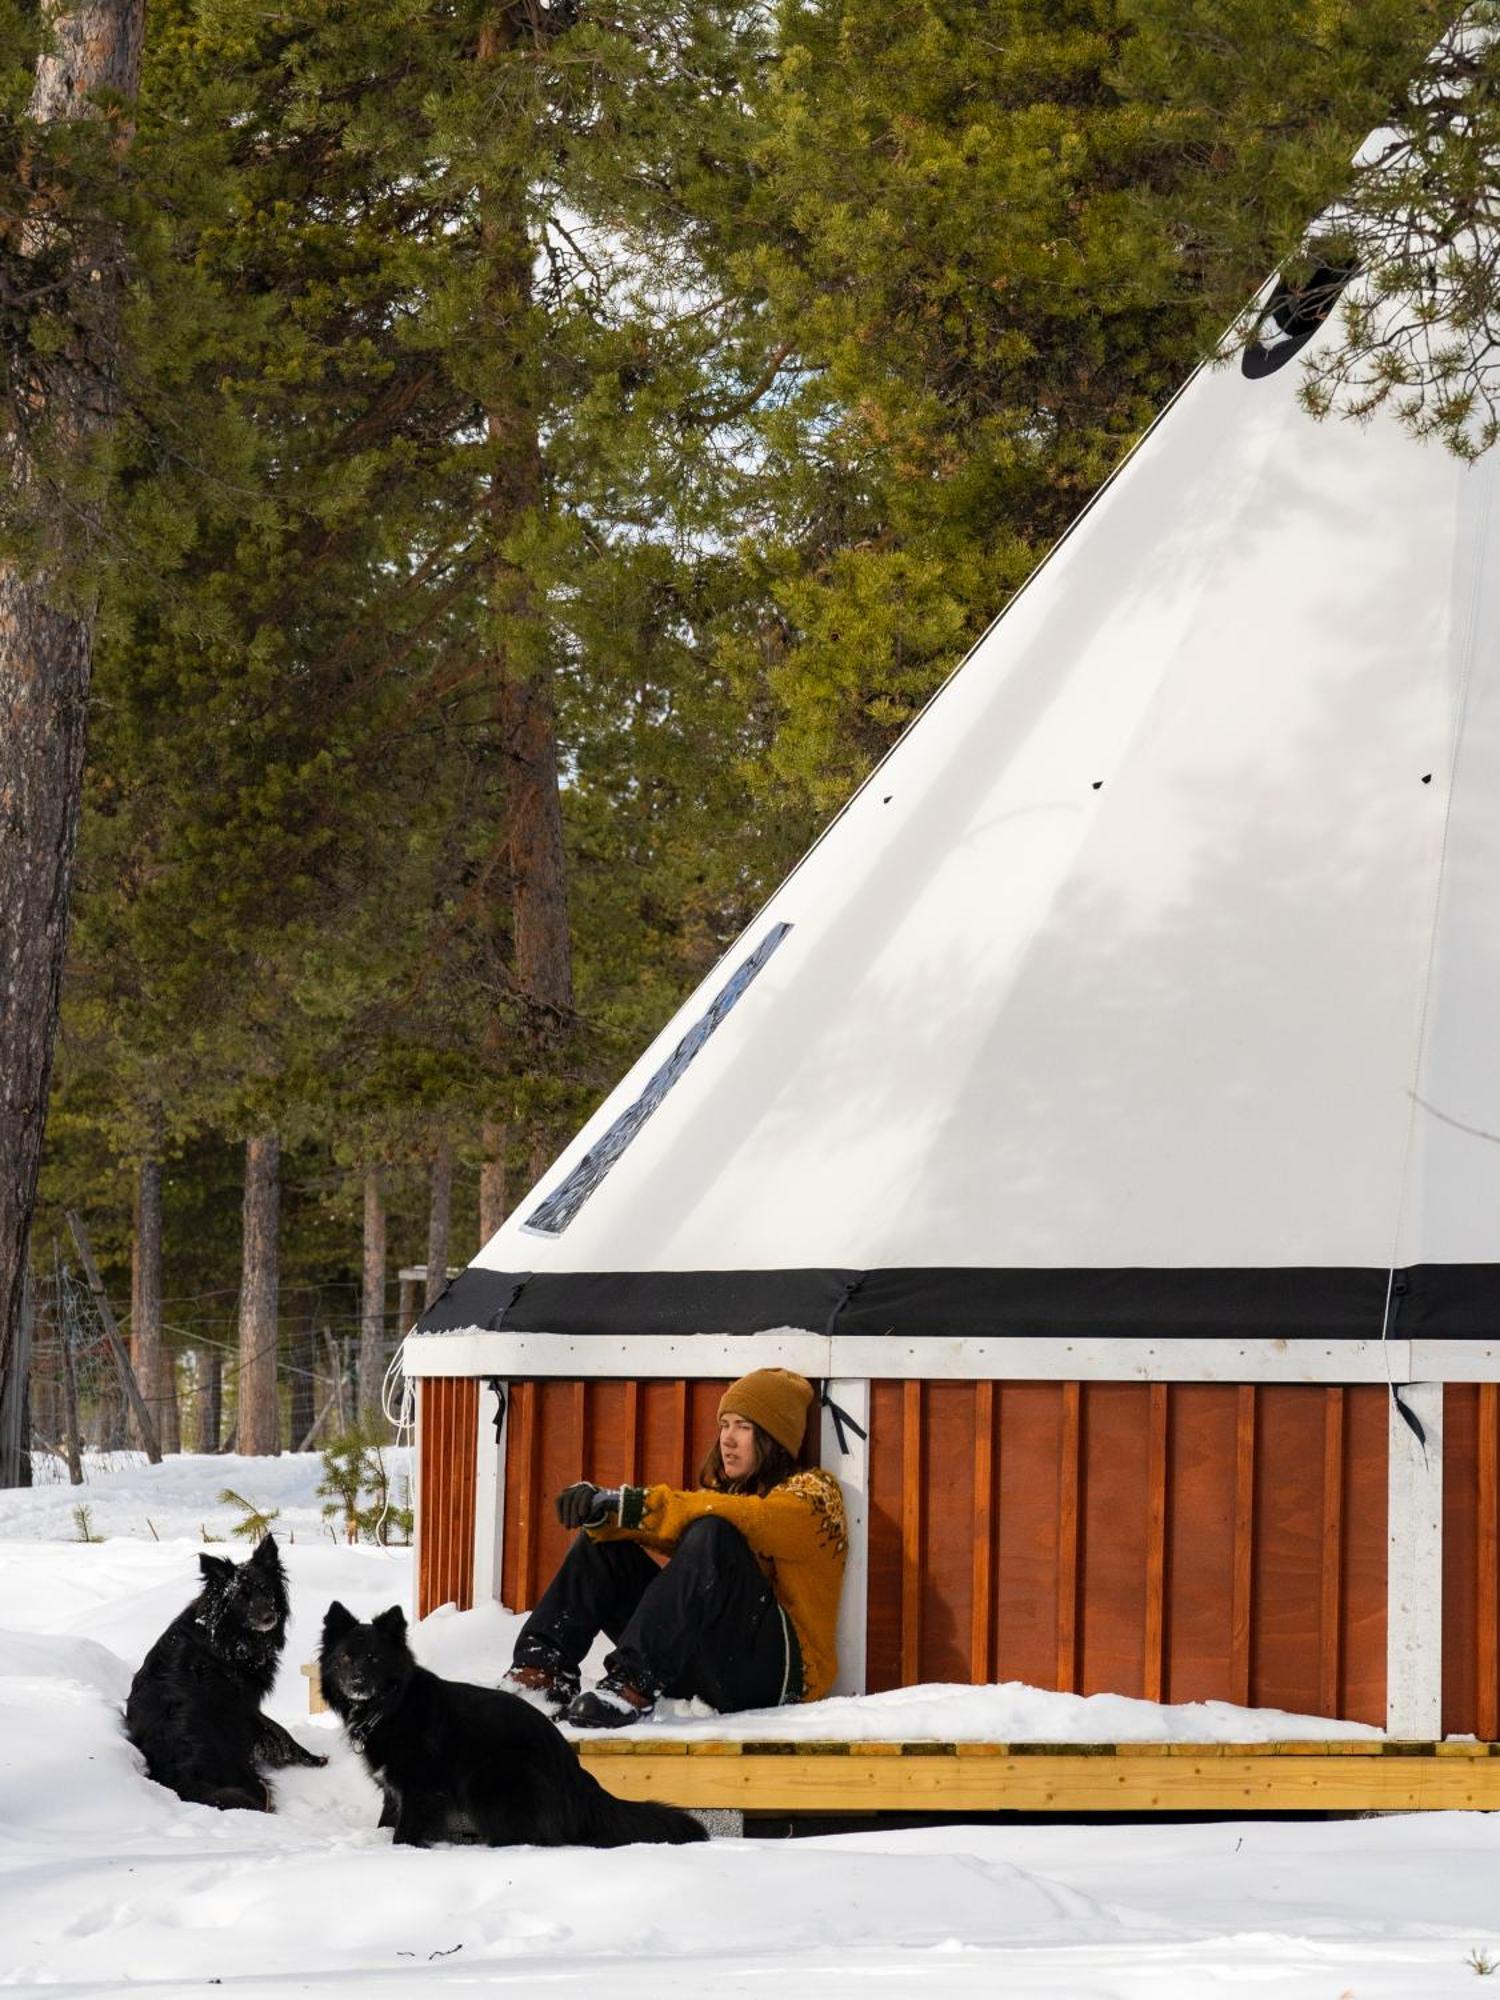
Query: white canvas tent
{"points": [[1106, 1111], [1149, 987]]}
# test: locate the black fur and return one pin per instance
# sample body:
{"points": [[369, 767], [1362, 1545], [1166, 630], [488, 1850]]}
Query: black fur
{"points": [[194, 1706], [468, 1764]]}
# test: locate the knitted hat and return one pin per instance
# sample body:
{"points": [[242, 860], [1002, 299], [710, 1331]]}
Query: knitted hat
{"points": [[774, 1398]]}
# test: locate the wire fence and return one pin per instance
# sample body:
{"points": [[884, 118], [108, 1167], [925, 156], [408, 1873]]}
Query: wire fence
{"points": [[72, 1395]]}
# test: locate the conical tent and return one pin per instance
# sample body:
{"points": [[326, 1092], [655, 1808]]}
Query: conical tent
{"points": [[1149, 987]]}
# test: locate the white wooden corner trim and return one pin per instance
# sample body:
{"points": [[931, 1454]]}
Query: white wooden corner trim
{"points": [[489, 1493], [852, 1470], [1414, 1569]]}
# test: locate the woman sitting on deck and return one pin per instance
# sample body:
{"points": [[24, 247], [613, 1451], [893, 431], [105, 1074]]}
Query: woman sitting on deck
{"points": [[743, 1612]]}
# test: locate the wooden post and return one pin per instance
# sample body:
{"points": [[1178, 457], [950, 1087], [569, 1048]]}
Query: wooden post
{"points": [[1414, 1567], [336, 1366], [71, 1441], [116, 1345], [410, 1303]]}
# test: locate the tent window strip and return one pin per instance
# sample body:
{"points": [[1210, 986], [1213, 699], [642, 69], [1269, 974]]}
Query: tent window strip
{"points": [[552, 1216]]}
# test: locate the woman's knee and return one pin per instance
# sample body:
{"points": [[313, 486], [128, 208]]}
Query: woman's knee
{"points": [[709, 1538]]}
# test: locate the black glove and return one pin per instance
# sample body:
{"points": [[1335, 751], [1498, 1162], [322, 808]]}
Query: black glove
{"points": [[586, 1505]]}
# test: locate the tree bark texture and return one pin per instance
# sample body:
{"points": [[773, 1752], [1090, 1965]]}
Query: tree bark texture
{"points": [[258, 1423], [372, 1341], [15, 1404], [532, 824], [493, 1139], [145, 1299], [46, 656], [438, 1213], [210, 1398]]}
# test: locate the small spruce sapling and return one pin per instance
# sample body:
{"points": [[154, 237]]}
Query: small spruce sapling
{"points": [[354, 1467], [256, 1522]]}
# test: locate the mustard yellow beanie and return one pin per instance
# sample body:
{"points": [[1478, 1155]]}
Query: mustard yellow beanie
{"points": [[774, 1398]]}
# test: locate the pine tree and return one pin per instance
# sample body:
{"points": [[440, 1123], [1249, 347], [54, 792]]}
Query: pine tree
{"points": [[61, 273]]}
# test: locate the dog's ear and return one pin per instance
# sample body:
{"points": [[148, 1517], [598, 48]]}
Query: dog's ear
{"points": [[216, 1569], [336, 1622], [267, 1554], [391, 1624]]}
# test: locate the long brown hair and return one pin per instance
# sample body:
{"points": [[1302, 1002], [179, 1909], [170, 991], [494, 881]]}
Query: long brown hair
{"points": [[773, 1463]]}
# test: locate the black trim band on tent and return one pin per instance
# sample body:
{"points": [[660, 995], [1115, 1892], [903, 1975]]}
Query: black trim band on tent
{"points": [[1450, 1301]]}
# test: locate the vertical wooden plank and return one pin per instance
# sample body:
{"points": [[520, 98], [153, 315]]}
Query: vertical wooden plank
{"points": [[1069, 1463], [422, 1503], [1362, 1646], [467, 1467], [523, 1411], [1460, 1558], [852, 1470], [1028, 1419], [632, 1434], [1487, 1564], [580, 1427], [443, 1501], [680, 1419], [1244, 1538], [1156, 1544], [980, 1669], [1414, 1574], [883, 1538], [1200, 1541], [1330, 1661], [911, 1532]]}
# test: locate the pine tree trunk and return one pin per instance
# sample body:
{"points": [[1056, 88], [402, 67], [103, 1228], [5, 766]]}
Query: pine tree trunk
{"points": [[145, 1298], [169, 1432], [46, 646], [210, 1398], [372, 1305], [492, 1178], [532, 827], [437, 1219], [258, 1421]]}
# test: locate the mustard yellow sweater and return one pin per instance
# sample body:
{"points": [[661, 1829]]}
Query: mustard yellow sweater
{"points": [[797, 1531]]}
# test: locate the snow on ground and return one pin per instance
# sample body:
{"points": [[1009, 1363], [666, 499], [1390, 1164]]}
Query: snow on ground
{"points": [[108, 1882]]}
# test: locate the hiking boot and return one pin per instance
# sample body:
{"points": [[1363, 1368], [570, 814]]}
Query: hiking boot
{"points": [[552, 1681], [614, 1704]]}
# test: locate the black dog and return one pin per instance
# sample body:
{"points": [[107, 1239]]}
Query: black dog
{"points": [[194, 1707], [468, 1764]]}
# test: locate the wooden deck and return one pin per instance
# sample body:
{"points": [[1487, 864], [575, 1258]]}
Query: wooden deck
{"points": [[1340, 1776]]}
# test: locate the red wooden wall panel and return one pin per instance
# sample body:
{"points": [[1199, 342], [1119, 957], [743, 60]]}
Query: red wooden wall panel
{"points": [[1184, 1542]]}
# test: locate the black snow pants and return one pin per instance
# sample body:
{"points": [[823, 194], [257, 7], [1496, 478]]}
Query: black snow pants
{"points": [[706, 1623]]}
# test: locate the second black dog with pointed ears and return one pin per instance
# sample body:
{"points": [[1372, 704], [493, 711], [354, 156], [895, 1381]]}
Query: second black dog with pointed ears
{"points": [[469, 1764]]}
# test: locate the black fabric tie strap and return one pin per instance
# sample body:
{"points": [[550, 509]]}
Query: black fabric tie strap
{"points": [[1399, 1287], [840, 1418], [851, 1286], [498, 1386]]}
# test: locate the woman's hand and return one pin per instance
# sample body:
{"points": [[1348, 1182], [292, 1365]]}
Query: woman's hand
{"points": [[585, 1505]]}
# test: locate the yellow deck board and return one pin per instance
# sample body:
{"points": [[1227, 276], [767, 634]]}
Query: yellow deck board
{"points": [[886, 1777]]}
